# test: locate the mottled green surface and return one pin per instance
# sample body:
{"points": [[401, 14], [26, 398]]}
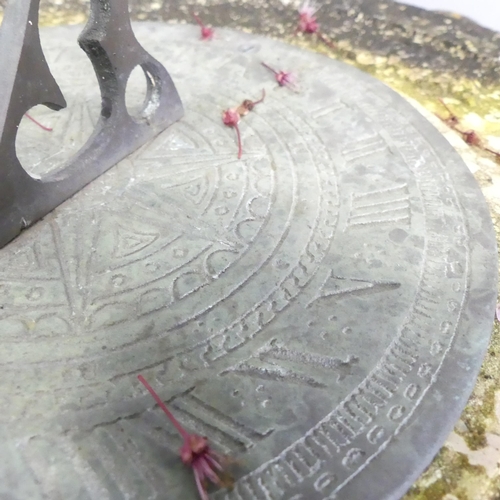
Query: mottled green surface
{"points": [[425, 56]]}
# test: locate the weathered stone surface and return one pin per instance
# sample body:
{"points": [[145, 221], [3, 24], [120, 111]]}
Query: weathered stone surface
{"points": [[417, 34], [247, 291]]}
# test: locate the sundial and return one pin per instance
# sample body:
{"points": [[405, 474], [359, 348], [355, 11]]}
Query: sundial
{"points": [[319, 308]]}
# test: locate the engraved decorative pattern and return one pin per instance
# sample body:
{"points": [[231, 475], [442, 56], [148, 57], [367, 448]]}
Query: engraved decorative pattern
{"points": [[297, 306]]}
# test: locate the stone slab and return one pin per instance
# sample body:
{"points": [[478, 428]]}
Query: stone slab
{"points": [[320, 308]]}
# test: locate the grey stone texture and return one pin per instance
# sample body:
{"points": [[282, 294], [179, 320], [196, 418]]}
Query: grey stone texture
{"points": [[319, 308]]}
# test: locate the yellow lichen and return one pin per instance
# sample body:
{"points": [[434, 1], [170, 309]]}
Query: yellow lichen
{"points": [[479, 415], [477, 105], [60, 17], [422, 84], [449, 474]]}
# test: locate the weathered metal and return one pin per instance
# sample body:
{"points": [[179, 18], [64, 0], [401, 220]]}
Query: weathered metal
{"points": [[319, 308], [26, 81]]}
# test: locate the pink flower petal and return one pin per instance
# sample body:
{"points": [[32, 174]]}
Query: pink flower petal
{"points": [[207, 470], [213, 461], [201, 489], [195, 451], [308, 9], [207, 33]]}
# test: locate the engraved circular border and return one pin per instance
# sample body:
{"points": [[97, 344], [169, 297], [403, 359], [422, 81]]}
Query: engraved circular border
{"points": [[229, 338], [322, 481], [342, 435], [482, 247]]}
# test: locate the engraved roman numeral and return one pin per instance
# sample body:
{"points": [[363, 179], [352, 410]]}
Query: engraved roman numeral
{"points": [[119, 465], [363, 147], [275, 373], [125, 460], [327, 111], [222, 428], [276, 352], [338, 286], [129, 456], [383, 206], [281, 364], [40, 479]]}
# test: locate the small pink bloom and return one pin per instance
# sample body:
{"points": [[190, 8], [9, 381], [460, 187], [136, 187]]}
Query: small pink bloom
{"points": [[308, 22], [231, 118], [308, 9], [471, 137], [207, 33], [195, 451], [284, 78]]}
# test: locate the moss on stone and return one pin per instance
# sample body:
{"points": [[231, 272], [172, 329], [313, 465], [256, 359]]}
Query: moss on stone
{"points": [[456, 476], [468, 99], [479, 415], [450, 473], [494, 489]]}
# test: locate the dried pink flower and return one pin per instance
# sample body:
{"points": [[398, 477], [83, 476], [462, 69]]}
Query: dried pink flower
{"points": [[195, 451], [231, 117], [471, 137], [308, 8], [452, 119], [207, 33], [308, 22], [284, 78], [43, 127], [247, 105]]}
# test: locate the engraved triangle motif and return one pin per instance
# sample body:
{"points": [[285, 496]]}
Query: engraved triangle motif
{"points": [[340, 286], [128, 242]]}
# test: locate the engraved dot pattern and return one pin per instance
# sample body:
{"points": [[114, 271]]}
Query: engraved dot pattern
{"points": [[285, 304]]}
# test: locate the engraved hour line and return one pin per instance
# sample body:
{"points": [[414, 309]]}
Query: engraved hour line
{"points": [[75, 126], [62, 263], [194, 162], [32, 455], [327, 110], [276, 374], [375, 394], [228, 431], [266, 365], [368, 208], [364, 147], [320, 361], [89, 478], [114, 467], [132, 444]]}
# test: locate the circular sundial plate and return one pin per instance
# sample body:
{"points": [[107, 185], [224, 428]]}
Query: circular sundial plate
{"points": [[319, 308]]}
